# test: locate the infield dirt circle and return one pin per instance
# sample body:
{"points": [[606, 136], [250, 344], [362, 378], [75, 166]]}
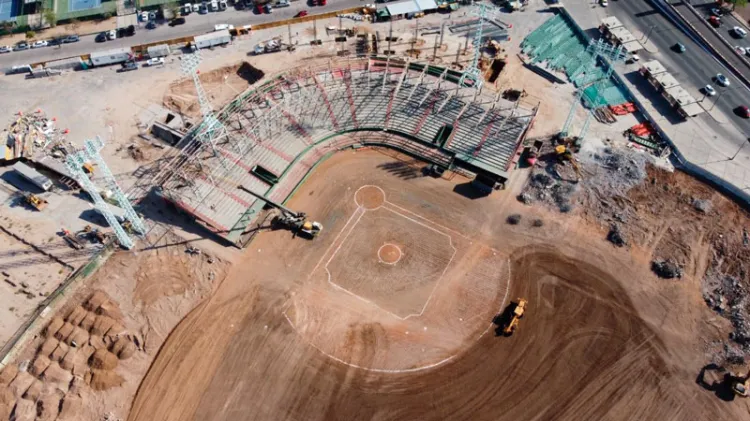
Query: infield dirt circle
{"points": [[389, 254]]}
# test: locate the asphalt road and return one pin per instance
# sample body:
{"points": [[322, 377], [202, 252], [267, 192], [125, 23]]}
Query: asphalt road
{"points": [[694, 68], [195, 25], [728, 22]]}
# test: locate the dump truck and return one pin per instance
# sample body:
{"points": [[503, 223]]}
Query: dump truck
{"points": [[518, 310], [32, 175]]}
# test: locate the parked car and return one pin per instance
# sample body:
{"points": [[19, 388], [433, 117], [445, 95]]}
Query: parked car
{"points": [[743, 111], [23, 45], [177, 21], [156, 61], [604, 3], [6, 49], [151, 25], [269, 9], [130, 31], [679, 48], [39, 44], [70, 38], [203, 9], [112, 34], [127, 66], [102, 37], [282, 3], [151, 15], [714, 21], [740, 50], [144, 16], [722, 80], [717, 12], [739, 32], [301, 14], [186, 9], [709, 90]]}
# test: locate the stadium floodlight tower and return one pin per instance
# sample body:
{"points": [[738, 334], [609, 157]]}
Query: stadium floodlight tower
{"points": [[211, 127], [75, 162], [611, 55], [472, 76]]}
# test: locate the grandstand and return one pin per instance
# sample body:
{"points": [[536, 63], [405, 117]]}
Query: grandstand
{"points": [[275, 133]]}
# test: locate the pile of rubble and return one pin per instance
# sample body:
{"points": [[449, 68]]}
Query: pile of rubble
{"points": [[31, 133]]}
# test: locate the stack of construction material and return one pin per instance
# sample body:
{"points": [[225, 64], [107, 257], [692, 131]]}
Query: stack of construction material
{"points": [[31, 133]]}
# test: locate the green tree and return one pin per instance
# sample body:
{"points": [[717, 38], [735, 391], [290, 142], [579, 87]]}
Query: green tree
{"points": [[50, 17], [30, 34], [6, 26], [173, 9]]}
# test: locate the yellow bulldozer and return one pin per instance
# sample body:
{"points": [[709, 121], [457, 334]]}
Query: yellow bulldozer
{"points": [[37, 202], [515, 317], [564, 154]]}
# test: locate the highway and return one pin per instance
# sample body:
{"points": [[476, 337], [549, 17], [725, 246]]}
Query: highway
{"points": [[195, 25], [693, 69]]}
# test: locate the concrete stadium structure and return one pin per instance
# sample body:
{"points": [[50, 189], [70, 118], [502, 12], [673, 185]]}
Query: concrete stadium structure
{"points": [[273, 134]]}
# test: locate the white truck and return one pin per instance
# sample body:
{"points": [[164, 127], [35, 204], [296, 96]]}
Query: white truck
{"points": [[212, 39], [118, 55], [32, 175]]}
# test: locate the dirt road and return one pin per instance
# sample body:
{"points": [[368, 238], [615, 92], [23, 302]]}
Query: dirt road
{"points": [[284, 339]]}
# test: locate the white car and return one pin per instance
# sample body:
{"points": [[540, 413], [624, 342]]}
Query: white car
{"points": [[739, 32], [112, 35], [709, 90], [604, 3], [6, 49], [144, 16], [156, 61], [740, 50], [722, 80], [223, 26], [39, 44]]}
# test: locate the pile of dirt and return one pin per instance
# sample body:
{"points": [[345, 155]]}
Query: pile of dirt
{"points": [[104, 379], [221, 86]]}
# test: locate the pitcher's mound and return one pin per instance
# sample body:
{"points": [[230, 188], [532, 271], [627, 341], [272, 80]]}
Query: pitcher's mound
{"points": [[389, 254]]}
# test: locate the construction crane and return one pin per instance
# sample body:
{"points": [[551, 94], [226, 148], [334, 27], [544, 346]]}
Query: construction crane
{"points": [[295, 221]]}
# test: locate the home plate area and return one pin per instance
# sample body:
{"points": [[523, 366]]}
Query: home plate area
{"points": [[398, 292]]}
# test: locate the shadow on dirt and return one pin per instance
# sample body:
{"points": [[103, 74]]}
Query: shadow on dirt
{"points": [[718, 380]]}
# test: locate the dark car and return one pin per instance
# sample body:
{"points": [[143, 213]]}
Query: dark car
{"points": [[102, 37], [130, 31], [679, 48], [121, 32], [714, 21], [177, 21], [128, 66], [151, 25], [70, 38], [743, 111], [239, 6]]}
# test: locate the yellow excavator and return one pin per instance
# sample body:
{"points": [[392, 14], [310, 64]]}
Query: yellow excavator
{"points": [[518, 310], [37, 202], [564, 154], [741, 384]]}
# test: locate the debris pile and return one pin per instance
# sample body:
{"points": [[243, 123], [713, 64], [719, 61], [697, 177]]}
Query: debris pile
{"points": [[30, 133], [514, 219], [615, 236], [668, 269]]}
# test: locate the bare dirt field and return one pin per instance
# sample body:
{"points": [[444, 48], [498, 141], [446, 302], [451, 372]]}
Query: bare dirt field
{"points": [[348, 327]]}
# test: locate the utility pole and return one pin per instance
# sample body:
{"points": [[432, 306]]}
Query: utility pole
{"points": [[315, 31], [434, 48], [458, 53], [390, 37]]}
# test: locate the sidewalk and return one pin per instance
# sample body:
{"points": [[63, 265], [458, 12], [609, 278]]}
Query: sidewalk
{"points": [[701, 146]]}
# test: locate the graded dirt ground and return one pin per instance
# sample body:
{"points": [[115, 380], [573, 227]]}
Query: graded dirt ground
{"points": [[602, 337]]}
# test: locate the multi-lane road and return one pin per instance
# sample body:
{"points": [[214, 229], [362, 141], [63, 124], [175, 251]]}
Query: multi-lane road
{"points": [[694, 69], [195, 24]]}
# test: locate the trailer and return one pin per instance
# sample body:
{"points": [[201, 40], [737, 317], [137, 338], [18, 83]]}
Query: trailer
{"points": [[212, 39], [33, 176], [161, 50], [118, 55]]}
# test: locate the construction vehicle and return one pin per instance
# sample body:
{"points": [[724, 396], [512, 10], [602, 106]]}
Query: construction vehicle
{"points": [[532, 152], [515, 317], [92, 234], [295, 221], [72, 239], [37, 202], [564, 154], [740, 384]]}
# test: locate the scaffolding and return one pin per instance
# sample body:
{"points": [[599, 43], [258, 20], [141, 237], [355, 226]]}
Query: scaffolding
{"points": [[75, 163], [472, 75]]}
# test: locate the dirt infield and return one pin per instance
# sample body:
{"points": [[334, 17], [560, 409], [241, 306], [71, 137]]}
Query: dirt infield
{"points": [[388, 316]]}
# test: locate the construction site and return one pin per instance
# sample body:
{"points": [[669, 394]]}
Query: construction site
{"points": [[459, 216]]}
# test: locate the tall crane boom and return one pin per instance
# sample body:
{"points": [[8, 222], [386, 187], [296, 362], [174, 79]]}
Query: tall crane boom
{"points": [[278, 206]]}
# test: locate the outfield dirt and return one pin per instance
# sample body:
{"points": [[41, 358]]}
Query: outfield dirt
{"points": [[602, 338]]}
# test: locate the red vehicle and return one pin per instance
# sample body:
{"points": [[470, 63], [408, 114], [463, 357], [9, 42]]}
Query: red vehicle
{"points": [[301, 14], [322, 2], [743, 111], [714, 21]]}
